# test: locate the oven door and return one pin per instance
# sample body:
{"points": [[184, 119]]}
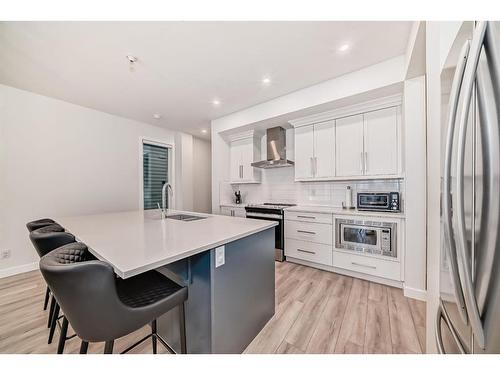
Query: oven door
{"points": [[279, 232], [359, 237]]}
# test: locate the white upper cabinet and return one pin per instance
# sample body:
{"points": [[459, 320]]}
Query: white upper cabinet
{"points": [[381, 142], [324, 150], [362, 141], [304, 152], [244, 150], [315, 151], [349, 146]]}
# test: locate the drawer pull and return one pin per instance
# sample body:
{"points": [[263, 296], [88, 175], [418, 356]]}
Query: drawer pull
{"points": [[305, 231], [364, 265], [306, 217], [306, 251]]}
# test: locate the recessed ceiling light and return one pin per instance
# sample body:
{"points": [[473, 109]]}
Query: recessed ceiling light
{"points": [[266, 81], [156, 116], [344, 47], [131, 59], [204, 131], [216, 102]]}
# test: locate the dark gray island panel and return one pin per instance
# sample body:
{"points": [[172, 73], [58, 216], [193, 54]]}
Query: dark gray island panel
{"points": [[243, 292], [227, 305]]}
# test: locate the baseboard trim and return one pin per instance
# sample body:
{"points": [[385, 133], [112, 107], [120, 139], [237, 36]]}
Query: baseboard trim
{"points": [[18, 269], [415, 293]]}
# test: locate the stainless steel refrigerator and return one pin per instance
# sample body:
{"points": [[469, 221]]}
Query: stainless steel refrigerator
{"points": [[468, 319]]}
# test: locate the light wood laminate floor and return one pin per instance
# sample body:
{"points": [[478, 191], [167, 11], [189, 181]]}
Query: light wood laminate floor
{"points": [[316, 312]]}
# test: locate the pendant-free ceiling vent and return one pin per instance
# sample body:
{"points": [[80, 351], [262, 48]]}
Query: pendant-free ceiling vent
{"points": [[276, 150]]}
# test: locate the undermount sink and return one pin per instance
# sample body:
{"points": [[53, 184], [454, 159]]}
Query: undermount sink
{"points": [[184, 217]]}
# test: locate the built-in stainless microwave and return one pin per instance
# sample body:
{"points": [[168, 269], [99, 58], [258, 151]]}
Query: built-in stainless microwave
{"points": [[378, 201], [378, 238]]}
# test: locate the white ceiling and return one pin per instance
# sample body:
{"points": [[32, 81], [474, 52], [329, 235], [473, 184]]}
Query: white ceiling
{"points": [[183, 66]]}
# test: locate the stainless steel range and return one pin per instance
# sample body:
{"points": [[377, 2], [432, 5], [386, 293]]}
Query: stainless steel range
{"points": [[272, 212]]}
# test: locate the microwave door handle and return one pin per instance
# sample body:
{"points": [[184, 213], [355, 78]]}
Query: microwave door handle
{"points": [[450, 244], [463, 251]]}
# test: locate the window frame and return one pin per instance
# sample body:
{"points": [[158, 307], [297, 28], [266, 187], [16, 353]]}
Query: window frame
{"points": [[171, 167]]}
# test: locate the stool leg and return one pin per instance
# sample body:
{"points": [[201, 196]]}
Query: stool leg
{"points": [[46, 302], [108, 347], [53, 323], [84, 347], [153, 336], [182, 321], [51, 311], [62, 336]]}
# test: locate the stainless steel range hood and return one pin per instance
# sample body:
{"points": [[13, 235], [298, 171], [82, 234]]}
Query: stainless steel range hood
{"points": [[276, 150]]}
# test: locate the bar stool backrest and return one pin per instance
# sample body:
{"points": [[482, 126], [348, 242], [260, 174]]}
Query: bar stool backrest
{"points": [[49, 238], [86, 292]]}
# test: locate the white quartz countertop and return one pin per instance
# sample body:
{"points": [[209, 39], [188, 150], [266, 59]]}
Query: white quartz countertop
{"points": [[235, 205], [138, 241], [341, 211]]}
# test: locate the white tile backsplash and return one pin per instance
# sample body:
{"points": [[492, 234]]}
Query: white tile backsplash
{"points": [[278, 186]]}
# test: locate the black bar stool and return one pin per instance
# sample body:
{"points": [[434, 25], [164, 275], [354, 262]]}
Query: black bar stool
{"points": [[33, 225], [45, 239], [40, 223], [71, 253], [102, 307]]}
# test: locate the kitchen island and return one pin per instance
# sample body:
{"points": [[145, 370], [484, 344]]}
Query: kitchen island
{"points": [[226, 262]]}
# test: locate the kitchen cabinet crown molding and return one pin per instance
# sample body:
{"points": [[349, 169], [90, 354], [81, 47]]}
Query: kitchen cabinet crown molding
{"points": [[372, 105], [253, 133]]}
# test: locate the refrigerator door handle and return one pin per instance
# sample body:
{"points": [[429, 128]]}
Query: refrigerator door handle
{"points": [[450, 244], [488, 104], [440, 316], [465, 263]]}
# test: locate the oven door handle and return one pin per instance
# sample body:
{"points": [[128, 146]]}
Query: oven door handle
{"points": [[254, 215]]}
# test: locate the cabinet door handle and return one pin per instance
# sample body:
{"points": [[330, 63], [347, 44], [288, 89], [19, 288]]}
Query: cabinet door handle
{"points": [[364, 265], [306, 217], [305, 231], [361, 168], [312, 165], [306, 251], [315, 166], [366, 162]]}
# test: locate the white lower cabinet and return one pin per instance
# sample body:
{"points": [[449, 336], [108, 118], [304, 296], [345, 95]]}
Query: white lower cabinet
{"points": [[312, 232], [309, 236], [233, 211], [386, 269], [226, 211], [310, 251]]}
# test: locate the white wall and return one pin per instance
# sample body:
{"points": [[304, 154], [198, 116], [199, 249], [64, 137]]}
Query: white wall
{"points": [[61, 159], [202, 176], [415, 181], [433, 58]]}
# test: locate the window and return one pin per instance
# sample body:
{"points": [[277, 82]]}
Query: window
{"points": [[155, 169]]}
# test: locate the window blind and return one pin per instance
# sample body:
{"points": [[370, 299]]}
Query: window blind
{"points": [[155, 173]]}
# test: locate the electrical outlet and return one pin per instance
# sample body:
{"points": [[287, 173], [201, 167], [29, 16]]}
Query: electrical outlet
{"points": [[5, 254], [220, 256]]}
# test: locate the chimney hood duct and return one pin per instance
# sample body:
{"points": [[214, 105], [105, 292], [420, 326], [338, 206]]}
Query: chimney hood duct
{"points": [[276, 150]]}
